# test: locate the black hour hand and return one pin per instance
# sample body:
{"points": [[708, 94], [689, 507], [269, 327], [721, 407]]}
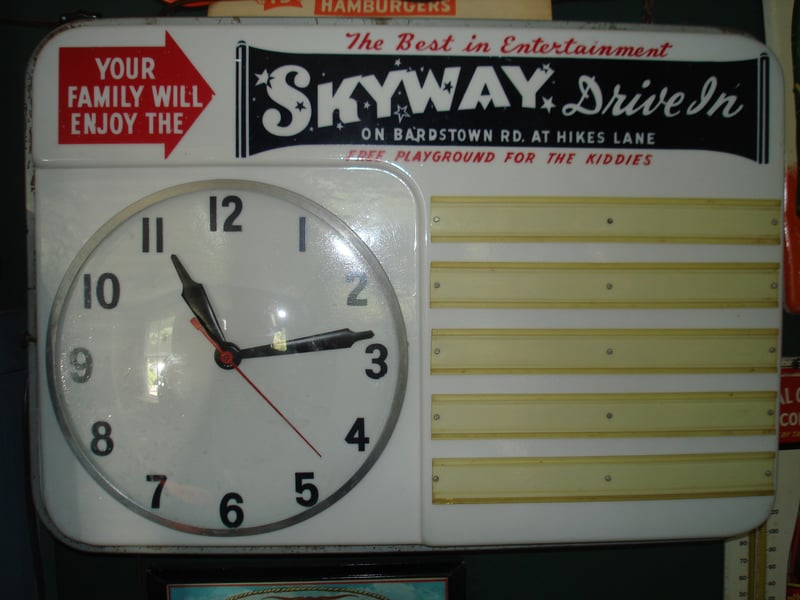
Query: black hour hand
{"points": [[330, 340], [194, 294]]}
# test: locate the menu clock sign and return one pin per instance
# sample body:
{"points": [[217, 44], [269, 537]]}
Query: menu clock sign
{"points": [[388, 285]]}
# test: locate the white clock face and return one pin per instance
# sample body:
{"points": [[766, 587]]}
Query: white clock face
{"points": [[227, 357]]}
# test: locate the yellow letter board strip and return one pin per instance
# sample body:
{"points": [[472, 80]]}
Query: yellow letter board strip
{"points": [[519, 351], [504, 416], [650, 220], [603, 478], [609, 285]]}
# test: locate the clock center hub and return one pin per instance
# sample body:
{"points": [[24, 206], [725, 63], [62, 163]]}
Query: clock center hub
{"points": [[228, 356]]}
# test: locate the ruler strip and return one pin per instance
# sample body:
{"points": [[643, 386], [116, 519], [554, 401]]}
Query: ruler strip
{"points": [[651, 220], [505, 416], [604, 478], [521, 351], [609, 285]]}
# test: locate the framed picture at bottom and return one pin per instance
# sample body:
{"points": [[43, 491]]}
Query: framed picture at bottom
{"points": [[373, 581]]}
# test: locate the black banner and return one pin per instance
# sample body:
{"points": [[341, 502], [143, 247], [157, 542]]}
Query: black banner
{"points": [[302, 99]]}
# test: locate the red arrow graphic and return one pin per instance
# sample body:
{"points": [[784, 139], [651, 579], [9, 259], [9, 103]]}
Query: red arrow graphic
{"points": [[128, 95]]}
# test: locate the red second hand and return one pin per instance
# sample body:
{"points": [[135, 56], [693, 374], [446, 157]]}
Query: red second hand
{"points": [[223, 354]]}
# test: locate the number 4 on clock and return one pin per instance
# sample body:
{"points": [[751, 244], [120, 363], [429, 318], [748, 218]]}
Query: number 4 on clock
{"points": [[357, 435]]}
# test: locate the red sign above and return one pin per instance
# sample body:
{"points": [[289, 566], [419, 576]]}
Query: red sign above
{"points": [[790, 406], [129, 95]]}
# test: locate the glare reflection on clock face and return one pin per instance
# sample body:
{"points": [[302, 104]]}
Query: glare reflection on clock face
{"points": [[141, 394]]}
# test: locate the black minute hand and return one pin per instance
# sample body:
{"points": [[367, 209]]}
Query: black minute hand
{"points": [[330, 340], [194, 294]]}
